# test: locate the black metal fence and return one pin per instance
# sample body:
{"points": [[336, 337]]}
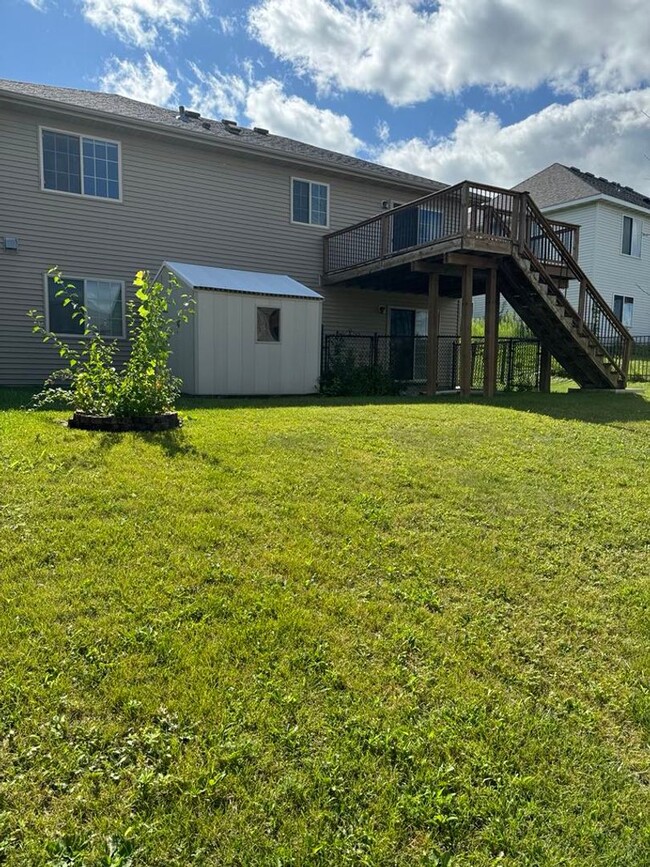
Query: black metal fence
{"points": [[402, 361]]}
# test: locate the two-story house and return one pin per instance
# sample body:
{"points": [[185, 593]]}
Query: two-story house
{"points": [[102, 186], [614, 235]]}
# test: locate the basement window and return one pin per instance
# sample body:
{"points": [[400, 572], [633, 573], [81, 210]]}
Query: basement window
{"points": [[80, 165], [309, 202], [624, 309], [103, 300], [631, 237]]}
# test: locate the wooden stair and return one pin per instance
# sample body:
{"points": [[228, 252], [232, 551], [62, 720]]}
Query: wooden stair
{"points": [[555, 322]]}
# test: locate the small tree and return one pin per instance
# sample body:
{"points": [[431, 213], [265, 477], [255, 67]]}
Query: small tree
{"points": [[146, 384]]}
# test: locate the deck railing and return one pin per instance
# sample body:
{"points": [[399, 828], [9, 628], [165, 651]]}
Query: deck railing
{"points": [[596, 320], [465, 209], [480, 211]]}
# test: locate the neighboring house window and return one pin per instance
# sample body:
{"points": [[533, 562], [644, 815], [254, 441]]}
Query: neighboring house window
{"points": [[624, 309], [268, 324], [631, 237], [80, 164], [103, 300], [309, 202]]}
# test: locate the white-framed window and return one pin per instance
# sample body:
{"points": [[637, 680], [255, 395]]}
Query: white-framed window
{"points": [[310, 202], [268, 324], [624, 309], [103, 300], [631, 245], [80, 165]]}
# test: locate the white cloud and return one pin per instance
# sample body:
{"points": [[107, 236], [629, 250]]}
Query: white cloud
{"points": [[269, 106], [228, 24], [142, 22], [266, 104], [382, 130], [408, 50], [39, 5], [608, 134], [217, 94], [147, 81]]}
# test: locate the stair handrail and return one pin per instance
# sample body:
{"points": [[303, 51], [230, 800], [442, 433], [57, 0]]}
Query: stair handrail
{"points": [[586, 288]]}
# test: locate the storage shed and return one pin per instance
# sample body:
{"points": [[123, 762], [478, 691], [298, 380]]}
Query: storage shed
{"points": [[251, 333]]}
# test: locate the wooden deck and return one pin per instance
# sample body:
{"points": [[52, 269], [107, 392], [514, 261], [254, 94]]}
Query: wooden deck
{"points": [[470, 227]]}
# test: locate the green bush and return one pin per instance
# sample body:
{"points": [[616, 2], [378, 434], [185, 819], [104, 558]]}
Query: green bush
{"points": [[345, 377], [90, 382]]}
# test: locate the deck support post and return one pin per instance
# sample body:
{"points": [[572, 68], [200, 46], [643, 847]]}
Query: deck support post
{"points": [[466, 309], [544, 370], [433, 331], [491, 334]]}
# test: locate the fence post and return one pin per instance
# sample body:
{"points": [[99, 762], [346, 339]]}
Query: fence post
{"points": [[511, 372]]}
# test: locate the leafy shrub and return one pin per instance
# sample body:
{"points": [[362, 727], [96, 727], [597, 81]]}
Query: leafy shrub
{"points": [[345, 377], [91, 382]]}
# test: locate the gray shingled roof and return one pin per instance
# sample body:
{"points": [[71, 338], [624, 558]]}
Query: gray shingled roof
{"points": [[122, 107], [612, 188], [558, 184]]}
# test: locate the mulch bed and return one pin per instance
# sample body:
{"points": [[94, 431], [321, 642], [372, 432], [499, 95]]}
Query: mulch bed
{"points": [[114, 424]]}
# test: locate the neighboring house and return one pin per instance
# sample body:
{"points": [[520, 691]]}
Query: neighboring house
{"points": [[614, 246], [102, 186]]}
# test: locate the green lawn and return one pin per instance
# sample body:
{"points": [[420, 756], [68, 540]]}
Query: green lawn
{"points": [[323, 632]]}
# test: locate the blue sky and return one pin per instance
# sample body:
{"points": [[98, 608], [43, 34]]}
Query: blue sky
{"points": [[491, 90]]}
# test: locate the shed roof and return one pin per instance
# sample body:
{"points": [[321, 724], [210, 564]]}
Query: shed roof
{"points": [[229, 280]]}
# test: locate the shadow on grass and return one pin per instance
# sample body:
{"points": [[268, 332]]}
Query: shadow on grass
{"points": [[174, 443], [595, 407]]}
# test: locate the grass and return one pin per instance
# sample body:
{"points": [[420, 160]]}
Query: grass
{"points": [[318, 632]]}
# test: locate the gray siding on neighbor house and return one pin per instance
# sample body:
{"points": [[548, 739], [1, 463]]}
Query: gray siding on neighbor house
{"points": [[611, 271], [186, 202]]}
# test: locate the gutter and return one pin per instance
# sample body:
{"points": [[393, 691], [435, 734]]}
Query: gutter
{"points": [[599, 197], [241, 146]]}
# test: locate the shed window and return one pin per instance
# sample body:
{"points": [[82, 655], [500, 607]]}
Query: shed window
{"points": [[631, 237], [268, 324], [624, 309], [81, 165], [309, 202], [103, 300]]}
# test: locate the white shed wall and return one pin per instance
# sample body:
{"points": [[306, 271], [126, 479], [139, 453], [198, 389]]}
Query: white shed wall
{"points": [[228, 360]]}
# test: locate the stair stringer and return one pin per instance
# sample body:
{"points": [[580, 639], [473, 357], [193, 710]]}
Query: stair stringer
{"points": [[556, 324]]}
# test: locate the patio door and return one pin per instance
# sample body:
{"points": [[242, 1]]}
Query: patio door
{"points": [[408, 349]]}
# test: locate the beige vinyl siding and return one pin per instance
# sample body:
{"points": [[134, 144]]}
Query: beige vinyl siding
{"points": [[364, 311], [191, 203]]}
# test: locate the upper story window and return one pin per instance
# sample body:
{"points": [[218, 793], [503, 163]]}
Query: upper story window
{"points": [[631, 237], [624, 309], [309, 202], [80, 164], [103, 300]]}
